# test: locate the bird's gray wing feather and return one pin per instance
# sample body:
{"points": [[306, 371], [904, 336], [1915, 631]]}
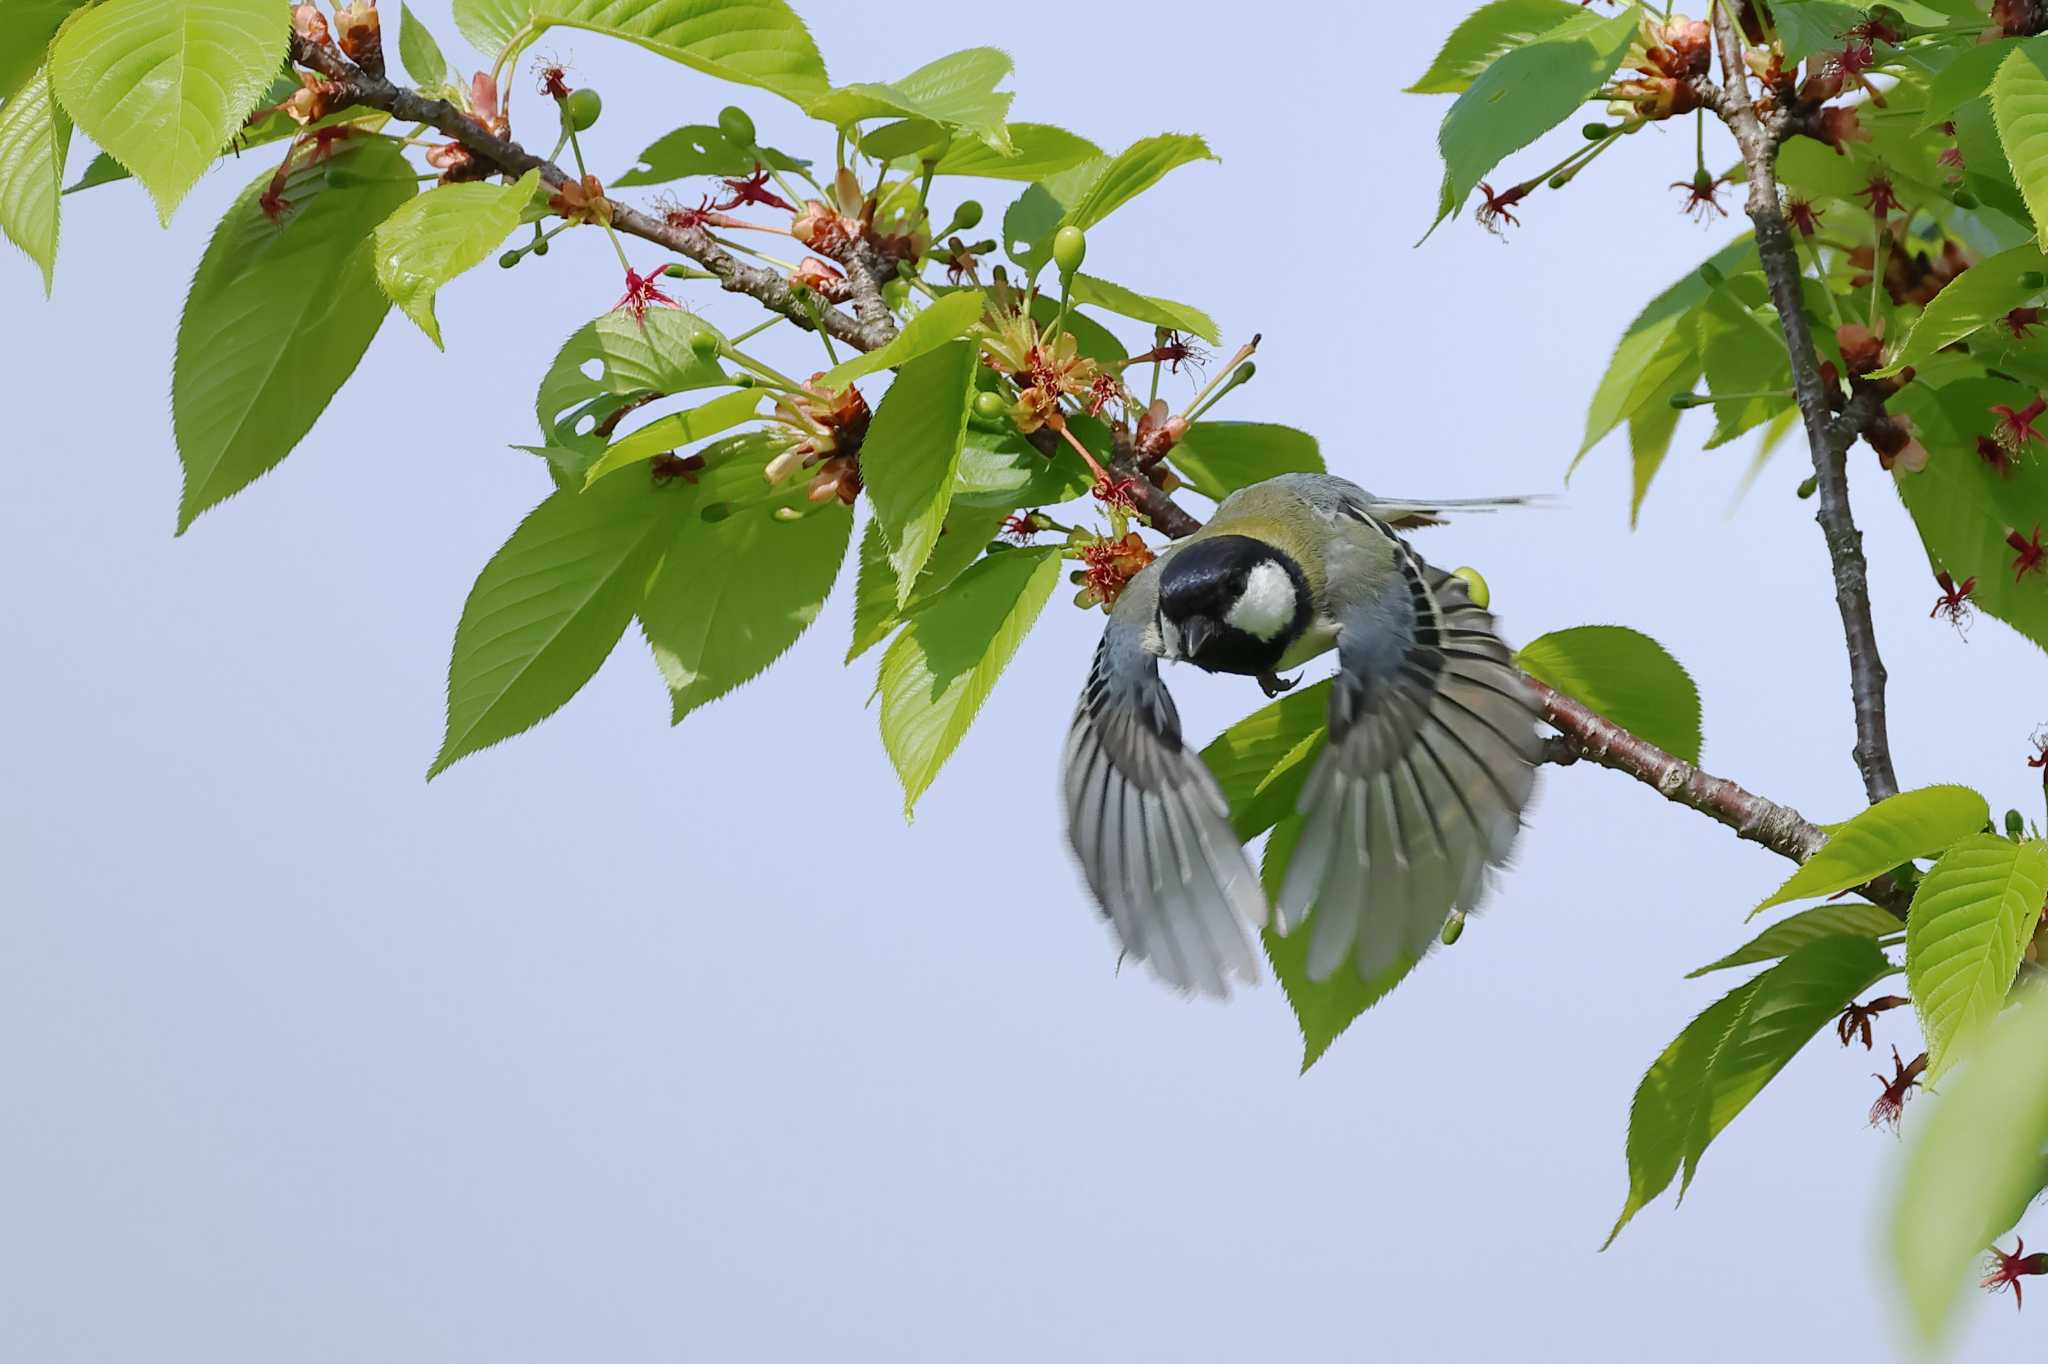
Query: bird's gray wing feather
{"points": [[1431, 759], [1148, 821]]}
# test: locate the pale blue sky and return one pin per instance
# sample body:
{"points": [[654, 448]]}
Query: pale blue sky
{"points": [[627, 1044]]}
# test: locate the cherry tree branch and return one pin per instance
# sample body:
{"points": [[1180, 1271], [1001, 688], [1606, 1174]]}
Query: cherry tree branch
{"points": [[1828, 440], [768, 288]]}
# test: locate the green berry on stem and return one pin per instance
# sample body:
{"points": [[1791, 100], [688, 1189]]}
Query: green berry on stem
{"points": [[990, 405], [1475, 586], [509, 259], [966, 216], [540, 247], [1454, 928], [581, 108], [1069, 249], [704, 344], [737, 127], [742, 380]]}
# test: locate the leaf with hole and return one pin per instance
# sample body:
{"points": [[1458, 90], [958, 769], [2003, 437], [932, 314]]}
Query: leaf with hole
{"points": [[677, 429], [701, 149]]}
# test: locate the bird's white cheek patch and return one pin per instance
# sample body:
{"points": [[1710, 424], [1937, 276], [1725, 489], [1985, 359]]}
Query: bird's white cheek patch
{"points": [[1266, 606]]}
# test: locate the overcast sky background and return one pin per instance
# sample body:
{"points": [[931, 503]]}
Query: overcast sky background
{"points": [[628, 1044]]}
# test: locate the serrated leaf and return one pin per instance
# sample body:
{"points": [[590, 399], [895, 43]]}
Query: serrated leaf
{"points": [[942, 665], [1659, 343], [1089, 291], [1805, 27], [1085, 194], [1738, 355], [433, 237], [1217, 458], [1887, 835], [2019, 107], [35, 138], [278, 316], [548, 608], [946, 319], [419, 53], [1965, 78], [163, 84], [1964, 508], [1041, 149], [1627, 677], [1000, 471], [1523, 94], [733, 586], [1484, 35], [967, 532], [751, 42], [911, 452], [1650, 429], [26, 27], [1972, 917], [957, 91], [101, 170], [701, 149], [1976, 1166], [677, 429], [1974, 299], [1846, 918], [1263, 760], [1323, 1009], [1725, 1056]]}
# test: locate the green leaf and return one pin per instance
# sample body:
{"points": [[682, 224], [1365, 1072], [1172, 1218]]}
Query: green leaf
{"points": [[26, 27], [1263, 760], [163, 84], [1085, 194], [912, 450], [1002, 472], [2019, 107], [1089, 291], [278, 316], [1976, 298], [1217, 458], [35, 137], [1627, 677], [732, 589], [1658, 344], [1523, 94], [701, 149], [1842, 918], [547, 609], [1323, 1009], [942, 666], [1725, 1057], [1887, 835], [1809, 26], [1972, 917], [967, 532], [957, 91], [1651, 427], [1740, 354], [1965, 78], [419, 53], [945, 320], [435, 236], [632, 360], [1483, 35], [677, 429], [101, 170], [1964, 509], [1041, 150], [1976, 1166], [751, 42]]}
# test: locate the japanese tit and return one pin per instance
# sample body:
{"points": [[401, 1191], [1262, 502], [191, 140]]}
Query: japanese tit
{"points": [[1431, 754]]}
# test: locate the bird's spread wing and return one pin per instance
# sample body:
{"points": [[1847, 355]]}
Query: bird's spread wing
{"points": [[1148, 821], [1431, 758]]}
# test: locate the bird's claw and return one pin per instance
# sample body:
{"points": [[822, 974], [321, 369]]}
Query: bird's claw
{"points": [[1271, 684]]}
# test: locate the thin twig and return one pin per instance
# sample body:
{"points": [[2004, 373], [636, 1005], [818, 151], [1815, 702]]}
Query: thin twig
{"points": [[1827, 439]]}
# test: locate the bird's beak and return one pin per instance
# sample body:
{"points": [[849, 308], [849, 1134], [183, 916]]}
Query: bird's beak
{"points": [[1195, 632]]}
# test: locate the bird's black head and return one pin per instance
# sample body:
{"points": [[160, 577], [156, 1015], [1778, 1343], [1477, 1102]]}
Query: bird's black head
{"points": [[1231, 604]]}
